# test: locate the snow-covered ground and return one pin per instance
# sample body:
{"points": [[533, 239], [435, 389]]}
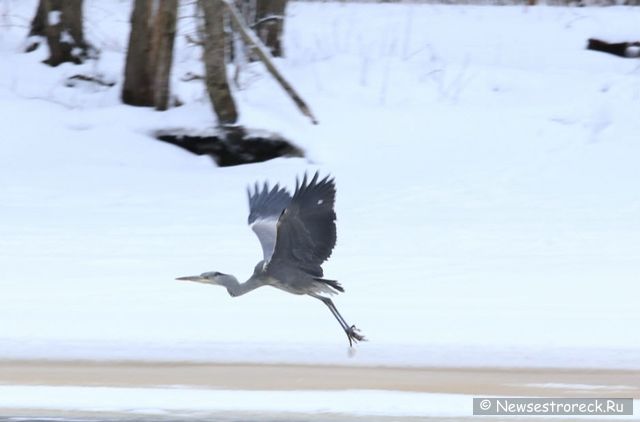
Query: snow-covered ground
{"points": [[163, 401], [180, 402], [488, 210]]}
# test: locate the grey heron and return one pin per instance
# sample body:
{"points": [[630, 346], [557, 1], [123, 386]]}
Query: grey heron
{"points": [[297, 234]]}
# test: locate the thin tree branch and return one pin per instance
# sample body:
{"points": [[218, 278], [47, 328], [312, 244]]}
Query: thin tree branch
{"points": [[192, 40], [190, 76], [266, 19], [87, 78], [254, 42]]}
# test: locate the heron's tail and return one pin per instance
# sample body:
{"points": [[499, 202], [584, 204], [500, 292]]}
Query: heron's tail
{"points": [[332, 283]]}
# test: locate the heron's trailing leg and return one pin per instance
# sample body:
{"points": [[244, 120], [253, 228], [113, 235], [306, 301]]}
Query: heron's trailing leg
{"points": [[353, 334]]}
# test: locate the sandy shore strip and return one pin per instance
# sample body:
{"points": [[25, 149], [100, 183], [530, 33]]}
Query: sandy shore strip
{"points": [[470, 381], [154, 391]]}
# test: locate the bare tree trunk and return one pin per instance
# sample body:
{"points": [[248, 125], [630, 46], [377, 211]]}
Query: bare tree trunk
{"points": [[39, 21], [214, 61], [38, 30], [269, 24], [72, 22], [137, 87], [150, 53], [66, 37], [61, 23], [163, 38]]}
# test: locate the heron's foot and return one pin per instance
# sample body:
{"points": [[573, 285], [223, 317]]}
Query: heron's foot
{"points": [[354, 335]]}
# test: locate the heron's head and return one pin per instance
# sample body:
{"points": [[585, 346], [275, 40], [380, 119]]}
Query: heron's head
{"points": [[211, 277]]}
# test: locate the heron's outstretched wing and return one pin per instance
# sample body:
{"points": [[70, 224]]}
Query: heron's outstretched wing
{"points": [[306, 232], [265, 207]]}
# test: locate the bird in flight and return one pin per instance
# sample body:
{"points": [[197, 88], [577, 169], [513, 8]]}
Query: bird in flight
{"points": [[297, 234]]}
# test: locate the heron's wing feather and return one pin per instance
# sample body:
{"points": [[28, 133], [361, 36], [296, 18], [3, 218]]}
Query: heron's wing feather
{"points": [[265, 207], [306, 231]]}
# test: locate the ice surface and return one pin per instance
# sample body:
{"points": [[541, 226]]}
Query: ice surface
{"points": [[169, 401], [162, 400]]}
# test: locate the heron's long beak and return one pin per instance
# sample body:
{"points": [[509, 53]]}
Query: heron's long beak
{"points": [[196, 278]]}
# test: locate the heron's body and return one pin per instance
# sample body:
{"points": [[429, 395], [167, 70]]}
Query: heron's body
{"points": [[297, 234]]}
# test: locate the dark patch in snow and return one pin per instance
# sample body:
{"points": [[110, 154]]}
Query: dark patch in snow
{"points": [[99, 80], [621, 49], [233, 146]]}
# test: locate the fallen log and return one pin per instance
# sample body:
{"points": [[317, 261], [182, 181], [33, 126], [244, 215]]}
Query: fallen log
{"points": [[620, 49]]}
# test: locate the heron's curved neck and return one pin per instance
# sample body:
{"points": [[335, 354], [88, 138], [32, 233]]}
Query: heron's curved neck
{"points": [[238, 289]]}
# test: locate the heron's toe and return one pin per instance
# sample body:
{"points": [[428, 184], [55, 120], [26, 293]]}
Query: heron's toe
{"points": [[354, 334]]}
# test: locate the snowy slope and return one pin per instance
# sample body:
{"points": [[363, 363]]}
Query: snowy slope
{"points": [[488, 206]]}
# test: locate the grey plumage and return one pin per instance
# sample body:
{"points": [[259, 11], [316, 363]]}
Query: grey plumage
{"points": [[307, 227], [265, 208], [297, 234]]}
